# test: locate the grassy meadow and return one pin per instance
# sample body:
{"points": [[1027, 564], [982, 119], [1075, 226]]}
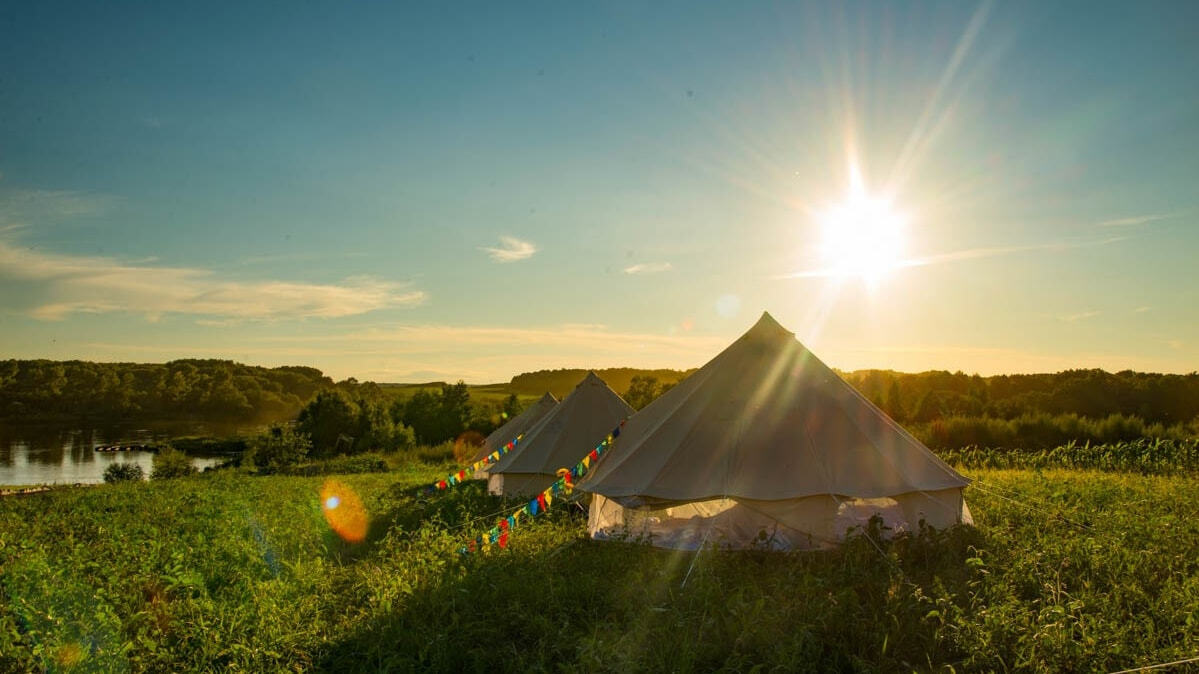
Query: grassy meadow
{"points": [[1064, 570]]}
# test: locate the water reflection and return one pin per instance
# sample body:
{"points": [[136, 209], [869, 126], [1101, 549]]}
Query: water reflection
{"points": [[44, 453]]}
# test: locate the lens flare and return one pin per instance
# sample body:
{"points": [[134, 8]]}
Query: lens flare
{"points": [[344, 511]]}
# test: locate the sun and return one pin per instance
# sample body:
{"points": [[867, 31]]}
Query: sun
{"points": [[862, 237]]}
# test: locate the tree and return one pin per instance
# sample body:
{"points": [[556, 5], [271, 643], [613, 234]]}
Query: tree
{"points": [[331, 421], [419, 412], [894, 403], [927, 409], [642, 391], [436, 417], [512, 407], [278, 447], [455, 409]]}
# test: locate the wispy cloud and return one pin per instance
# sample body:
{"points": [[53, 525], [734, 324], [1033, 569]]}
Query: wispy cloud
{"points": [[1135, 220], [511, 249], [1080, 316], [587, 337], [20, 208], [89, 284], [296, 257], [1141, 310], [966, 254], [648, 268]]}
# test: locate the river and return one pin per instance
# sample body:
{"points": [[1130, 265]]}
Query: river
{"points": [[58, 454]]}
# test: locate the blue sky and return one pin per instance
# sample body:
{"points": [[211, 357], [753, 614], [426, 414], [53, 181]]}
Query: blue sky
{"points": [[401, 194]]}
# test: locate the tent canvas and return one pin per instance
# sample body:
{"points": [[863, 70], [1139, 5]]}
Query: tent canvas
{"points": [[518, 424], [766, 445], [571, 429]]}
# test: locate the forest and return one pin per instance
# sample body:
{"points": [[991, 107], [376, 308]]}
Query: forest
{"points": [[209, 390]]}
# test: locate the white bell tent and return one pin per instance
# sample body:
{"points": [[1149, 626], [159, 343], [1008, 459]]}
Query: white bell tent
{"points": [[571, 429], [515, 426], [766, 446]]}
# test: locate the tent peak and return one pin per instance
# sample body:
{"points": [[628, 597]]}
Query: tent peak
{"points": [[548, 397], [767, 327]]}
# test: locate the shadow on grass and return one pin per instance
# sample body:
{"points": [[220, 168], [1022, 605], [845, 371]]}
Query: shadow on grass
{"points": [[556, 600]]}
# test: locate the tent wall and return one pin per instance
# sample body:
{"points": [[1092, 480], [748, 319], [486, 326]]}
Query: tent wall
{"points": [[792, 524], [519, 485]]}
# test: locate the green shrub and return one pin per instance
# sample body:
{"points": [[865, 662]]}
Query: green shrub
{"points": [[171, 463], [361, 463], [443, 453], [124, 472], [401, 438], [277, 448]]}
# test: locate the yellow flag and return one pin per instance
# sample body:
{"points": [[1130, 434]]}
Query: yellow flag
{"points": [[586, 461], [549, 497]]}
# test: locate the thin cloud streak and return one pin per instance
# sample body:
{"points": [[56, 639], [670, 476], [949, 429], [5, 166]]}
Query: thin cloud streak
{"points": [[1137, 220], [21, 208], [586, 338], [648, 268], [79, 284], [965, 254], [1080, 316], [511, 249]]}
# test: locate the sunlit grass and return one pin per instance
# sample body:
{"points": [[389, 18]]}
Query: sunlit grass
{"points": [[1066, 570]]}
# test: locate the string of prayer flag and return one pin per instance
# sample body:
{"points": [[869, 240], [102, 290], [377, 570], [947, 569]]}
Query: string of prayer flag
{"points": [[563, 486], [462, 475]]}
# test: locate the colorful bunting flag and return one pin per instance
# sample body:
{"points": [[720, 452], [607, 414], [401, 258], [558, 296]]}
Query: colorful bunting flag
{"points": [[460, 476], [499, 534]]}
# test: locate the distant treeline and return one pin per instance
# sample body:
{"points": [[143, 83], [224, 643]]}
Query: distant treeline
{"points": [[943, 409], [214, 390], [928, 396], [562, 382]]}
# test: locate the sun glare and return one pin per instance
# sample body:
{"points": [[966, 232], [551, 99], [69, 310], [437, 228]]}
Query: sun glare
{"points": [[862, 237]]}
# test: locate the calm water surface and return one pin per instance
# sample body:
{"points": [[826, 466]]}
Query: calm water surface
{"points": [[52, 454]]}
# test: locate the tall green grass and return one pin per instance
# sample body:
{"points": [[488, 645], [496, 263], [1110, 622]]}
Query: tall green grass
{"points": [[1043, 431], [1148, 457], [1065, 570]]}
